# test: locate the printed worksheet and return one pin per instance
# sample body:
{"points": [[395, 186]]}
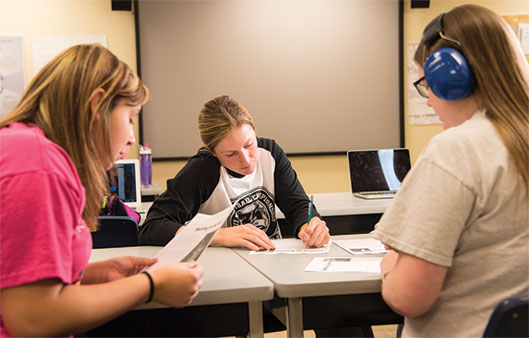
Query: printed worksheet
{"points": [[189, 244], [292, 246], [344, 264], [367, 246]]}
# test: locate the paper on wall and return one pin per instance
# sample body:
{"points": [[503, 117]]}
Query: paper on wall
{"points": [[45, 48], [418, 111], [11, 73]]}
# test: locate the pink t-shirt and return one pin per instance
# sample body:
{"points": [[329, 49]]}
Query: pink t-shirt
{"points": [[42, 232]]}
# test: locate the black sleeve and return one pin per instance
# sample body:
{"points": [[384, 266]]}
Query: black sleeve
{"points": [[185, 193], [289, 193]]}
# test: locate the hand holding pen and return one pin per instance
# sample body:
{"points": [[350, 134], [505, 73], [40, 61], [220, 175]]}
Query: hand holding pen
{"points": [[314, 233]]}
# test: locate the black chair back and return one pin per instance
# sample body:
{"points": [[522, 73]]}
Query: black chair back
{"points": [[115, 231], [509, 319]]}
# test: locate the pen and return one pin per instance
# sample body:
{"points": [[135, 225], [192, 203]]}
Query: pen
{"points": [[311, 203]]}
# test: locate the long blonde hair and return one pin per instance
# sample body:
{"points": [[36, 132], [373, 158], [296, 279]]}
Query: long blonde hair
{"points": [[218, 118], [501, 73], [58, 101]]}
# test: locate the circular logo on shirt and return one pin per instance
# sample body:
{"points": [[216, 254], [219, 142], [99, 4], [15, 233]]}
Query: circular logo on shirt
{"points": [[256, 207]]}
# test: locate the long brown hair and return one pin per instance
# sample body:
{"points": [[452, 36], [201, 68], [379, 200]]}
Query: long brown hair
{"points": [[58, 101], [218, 118], [501, 73]]}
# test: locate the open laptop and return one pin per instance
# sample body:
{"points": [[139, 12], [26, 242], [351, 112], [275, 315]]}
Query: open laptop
{"points": [[377, 173], [125, 183]]}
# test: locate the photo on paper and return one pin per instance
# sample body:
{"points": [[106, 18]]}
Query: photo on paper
{"points": [[199, 248], [367, 246], [331, 260], [345, 264], [192, 240]]}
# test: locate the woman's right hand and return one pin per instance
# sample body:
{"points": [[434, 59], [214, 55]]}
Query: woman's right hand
{"points": [[177, 285], [245, 235]]}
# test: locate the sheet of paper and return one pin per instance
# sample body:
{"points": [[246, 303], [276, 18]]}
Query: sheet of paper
{"points": [[523, 35], [368, 246], [418, 111], [46, 48], [292, 246], [344, 264], [189, 244]]}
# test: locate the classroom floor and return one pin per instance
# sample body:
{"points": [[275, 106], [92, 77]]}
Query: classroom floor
{"points": [[379, 331]]}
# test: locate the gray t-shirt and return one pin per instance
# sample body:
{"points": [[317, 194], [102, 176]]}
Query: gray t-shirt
{"points": [[459, 207]]}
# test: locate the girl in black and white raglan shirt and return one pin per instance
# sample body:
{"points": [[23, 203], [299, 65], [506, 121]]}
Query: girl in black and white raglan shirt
{"points": [[234, 168]]}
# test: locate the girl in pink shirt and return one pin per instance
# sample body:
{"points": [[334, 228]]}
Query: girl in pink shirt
{"points": [[73, 122]]}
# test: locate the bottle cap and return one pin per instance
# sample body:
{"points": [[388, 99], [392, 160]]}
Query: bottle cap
{"points": [[145, 150]]}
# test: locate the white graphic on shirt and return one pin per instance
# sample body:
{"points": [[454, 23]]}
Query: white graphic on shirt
{"points": [[256, 207]]}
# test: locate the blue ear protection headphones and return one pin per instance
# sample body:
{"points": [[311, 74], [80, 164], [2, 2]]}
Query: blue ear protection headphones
{"points": [[446, 70]]}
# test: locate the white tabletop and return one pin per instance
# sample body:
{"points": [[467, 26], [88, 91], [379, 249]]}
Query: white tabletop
{"points": [[227, 277], [287, 273]]}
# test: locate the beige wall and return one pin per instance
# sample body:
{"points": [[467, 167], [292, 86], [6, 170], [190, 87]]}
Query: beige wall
{"points": [[318, 174], [29, 18]]}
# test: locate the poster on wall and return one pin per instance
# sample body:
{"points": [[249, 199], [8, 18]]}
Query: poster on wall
{"points": [[418, 111], [11, 72], [46, 48], [523, 36], [520, 26]]}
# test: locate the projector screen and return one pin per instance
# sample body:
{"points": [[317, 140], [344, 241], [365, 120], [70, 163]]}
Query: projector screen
{"points": [[317, 76]]}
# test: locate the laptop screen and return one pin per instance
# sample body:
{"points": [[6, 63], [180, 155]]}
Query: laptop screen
{"points": [[124, 182], [378, 170]]}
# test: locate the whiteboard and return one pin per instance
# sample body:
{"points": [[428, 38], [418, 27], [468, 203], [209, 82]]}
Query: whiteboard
{"points": [[317, 76]]}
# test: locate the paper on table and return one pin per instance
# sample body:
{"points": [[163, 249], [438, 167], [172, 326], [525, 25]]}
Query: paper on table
{"points": [[292, 246], [189, 244], [361, 246], [344, 264]]}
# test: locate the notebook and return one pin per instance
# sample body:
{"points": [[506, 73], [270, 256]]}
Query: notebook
{"points": [[125, 183], [377, 173]]}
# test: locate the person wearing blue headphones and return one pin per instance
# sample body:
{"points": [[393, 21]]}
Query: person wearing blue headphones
{"points": [[458, 229]]}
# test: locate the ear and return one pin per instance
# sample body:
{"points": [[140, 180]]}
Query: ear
{"points": [[94, 100], [213, 153]]}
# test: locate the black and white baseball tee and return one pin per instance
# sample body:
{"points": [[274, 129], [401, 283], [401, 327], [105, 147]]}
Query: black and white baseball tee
{"points": [[205, 186]]}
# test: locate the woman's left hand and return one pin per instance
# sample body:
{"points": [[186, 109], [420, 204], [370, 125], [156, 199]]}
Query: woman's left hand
{"points": [[314, 234], [115, 268]]}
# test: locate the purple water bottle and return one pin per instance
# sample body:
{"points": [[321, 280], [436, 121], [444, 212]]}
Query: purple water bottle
{"points": [[145, 165]]}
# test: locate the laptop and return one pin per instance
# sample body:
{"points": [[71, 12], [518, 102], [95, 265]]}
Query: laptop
{"points": [[124, 178], [377, 173]]}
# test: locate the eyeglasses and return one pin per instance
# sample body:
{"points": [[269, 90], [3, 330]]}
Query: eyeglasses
{"points": [[422, 87]]}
